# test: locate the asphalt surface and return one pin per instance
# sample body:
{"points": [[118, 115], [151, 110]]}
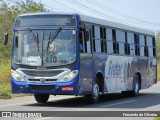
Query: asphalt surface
{"points": [[148, 100]]}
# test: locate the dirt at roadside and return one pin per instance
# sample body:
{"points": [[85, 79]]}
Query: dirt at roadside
{"points": [[17, 98]]}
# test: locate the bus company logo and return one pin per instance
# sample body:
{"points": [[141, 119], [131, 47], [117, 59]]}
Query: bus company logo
{"points": [[42, 80], [115, 69]]}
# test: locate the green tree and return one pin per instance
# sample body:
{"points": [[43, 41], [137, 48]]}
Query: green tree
{"points": [[158, 36], [8, 15], [158, 46]]}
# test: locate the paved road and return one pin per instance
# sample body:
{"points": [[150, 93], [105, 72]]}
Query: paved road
{"points": [[148, 100]]}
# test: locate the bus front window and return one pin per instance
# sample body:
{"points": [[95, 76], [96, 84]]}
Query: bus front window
{"points": [[35, 48], [61, 50]]}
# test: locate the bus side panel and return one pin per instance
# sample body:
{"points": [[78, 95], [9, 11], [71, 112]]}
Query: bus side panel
{"points": [[117, 70], [99, 64], [85, 79], [152, 63], [132, 69], [134, 66], [155, 70], [148, 71], [112, 70], [143, 69], [123, 79]]}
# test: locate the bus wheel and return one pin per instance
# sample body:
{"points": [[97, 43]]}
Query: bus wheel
{"points": [[41, 98], [136, 86], [94, 97]]}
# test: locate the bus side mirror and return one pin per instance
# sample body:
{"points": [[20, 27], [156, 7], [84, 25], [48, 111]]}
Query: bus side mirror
{"points": [[86, 35], [5, 41]]}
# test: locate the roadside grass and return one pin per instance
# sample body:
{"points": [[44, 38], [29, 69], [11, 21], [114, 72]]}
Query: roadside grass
{"points": [[158, 55], [5, 91], [158, 72], [156, 118], [5, 86]]}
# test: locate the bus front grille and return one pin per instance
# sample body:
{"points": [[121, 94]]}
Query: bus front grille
{"points": [[42, 73], [42, 87], [46, 80]]}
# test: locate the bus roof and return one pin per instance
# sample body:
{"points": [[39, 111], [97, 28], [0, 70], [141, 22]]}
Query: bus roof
{"points": [[115, 25], [98, 21], [47, 13]]}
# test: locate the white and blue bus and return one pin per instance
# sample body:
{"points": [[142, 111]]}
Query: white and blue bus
{"points": [[73, 54]]}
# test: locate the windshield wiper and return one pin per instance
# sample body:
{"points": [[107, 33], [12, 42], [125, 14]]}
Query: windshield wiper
{"points": [[36, 38], [53, 36]]}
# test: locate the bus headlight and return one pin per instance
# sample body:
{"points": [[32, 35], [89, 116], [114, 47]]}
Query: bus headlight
{"points": [[69, 76], [16, 76]]}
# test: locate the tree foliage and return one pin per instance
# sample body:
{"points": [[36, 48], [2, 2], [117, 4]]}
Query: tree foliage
{"points": [[8, 14], [158, 46]]}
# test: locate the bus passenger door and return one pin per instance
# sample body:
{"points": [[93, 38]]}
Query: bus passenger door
{"points": [[85, 81]]}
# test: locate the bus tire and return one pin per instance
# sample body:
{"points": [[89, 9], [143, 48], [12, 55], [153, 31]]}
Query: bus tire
{"points": [[135, 91], [136, 86], [41, 98], [94, 97]]}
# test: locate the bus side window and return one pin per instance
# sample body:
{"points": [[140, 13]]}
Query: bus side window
{"points": [[81, 40], [146, 51], [142, 45], [150, 51], [145, 48], [154, 52], [110, 47], [85, 45], [154, 46], [96, 39], [88, 40], [125, 49], [81, 46], [109, 42], [141, 50], [120, 39], [130, 38], [150, 45], [153, 42], [102, 39], [136, 42], [128, 49], [115, 45], [121, 48], [126, 45], [132, 49]]}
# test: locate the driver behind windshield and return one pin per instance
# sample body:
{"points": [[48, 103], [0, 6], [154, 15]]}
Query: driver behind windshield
{"points": [[52, 47]]}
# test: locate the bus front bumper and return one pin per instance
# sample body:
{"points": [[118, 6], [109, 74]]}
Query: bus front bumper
{"points": [[57, 88]]}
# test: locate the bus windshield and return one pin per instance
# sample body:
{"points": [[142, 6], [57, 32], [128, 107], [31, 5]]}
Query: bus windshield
{"points": [[38, 48]]}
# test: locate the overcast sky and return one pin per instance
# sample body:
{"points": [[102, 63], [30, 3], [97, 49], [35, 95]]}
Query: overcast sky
{"points": [[140, 13]]}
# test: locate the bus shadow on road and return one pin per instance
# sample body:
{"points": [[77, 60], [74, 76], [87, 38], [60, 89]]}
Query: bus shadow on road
{"points": [[115, 100]]}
